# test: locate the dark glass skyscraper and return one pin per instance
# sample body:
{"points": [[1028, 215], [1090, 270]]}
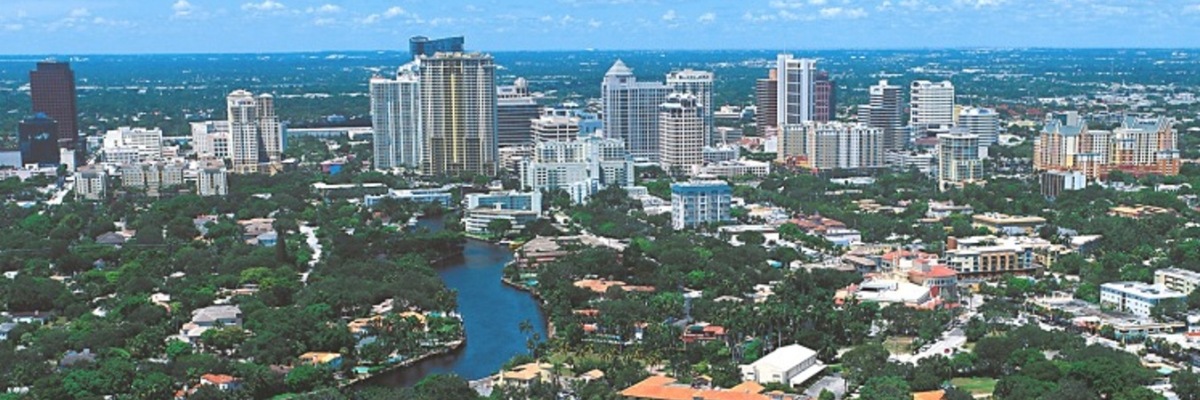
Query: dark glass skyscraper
{"points": [[422, 46], [52, 86], [38, 139], [824, 98]]}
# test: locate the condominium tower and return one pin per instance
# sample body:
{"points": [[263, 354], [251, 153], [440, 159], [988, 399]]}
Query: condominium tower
{"points": [[932, 104], [681, 130], [699, 84], [631, 110], [883, 112], [794, 80], [982, 122], [458, 112], [958, 159], [515, 107], [256, 138], [396, 119], [832, 146]]}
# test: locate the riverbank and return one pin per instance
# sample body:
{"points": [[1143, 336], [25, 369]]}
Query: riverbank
{"points": [[542, 303], [447, 349]]}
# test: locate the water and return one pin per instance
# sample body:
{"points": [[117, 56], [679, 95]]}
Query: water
{"points": [[492, 313]]}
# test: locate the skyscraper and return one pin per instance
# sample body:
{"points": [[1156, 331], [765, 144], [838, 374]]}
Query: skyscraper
{"points": [[256, 138], [581, 167], [515, 107], [699, 84], [932, 104], [982, 122], [631, 110], [681, 132], [795, 89], [423, 46], [52, 88], [38, 140], [555, 125], [883, 112], [458, 113], [396, 118], [766, 98], [824, 98], [832, 146], [958, 159]]}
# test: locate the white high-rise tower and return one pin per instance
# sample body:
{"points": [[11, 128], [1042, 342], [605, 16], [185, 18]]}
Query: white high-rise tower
{"points": [[396, 118], [699, 84], [932, 104], [794, 81], [631, 110]]}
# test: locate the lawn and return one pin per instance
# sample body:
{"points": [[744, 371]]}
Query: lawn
{"points": [[975, 385], [898, 345]]}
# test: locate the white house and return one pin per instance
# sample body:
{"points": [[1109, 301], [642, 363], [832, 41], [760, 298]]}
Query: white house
{"points": [[790, 365]]}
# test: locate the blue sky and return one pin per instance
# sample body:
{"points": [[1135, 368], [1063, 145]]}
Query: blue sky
{"points": [[173, 26]]}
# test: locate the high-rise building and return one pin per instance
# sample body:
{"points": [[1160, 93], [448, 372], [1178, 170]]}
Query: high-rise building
{"points": [[423, 46], [515, 107], [396, 119], [631, 110], [555, 125], [824, 98], [695, 203], [766, 97], [38, 140], [256, 137], [1139, 146], [982, 122], [832, 146], [681, 132], [52, 89], [883, 112], [581, 167], [958, 159], [699, 84], [794, 92], [931, 104], [458, 113]]}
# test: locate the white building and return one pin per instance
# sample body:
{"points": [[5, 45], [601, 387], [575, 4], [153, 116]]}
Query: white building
{"points": [[681, 132], [212, 180], [91, 184], [210, 139], [581, 167], [832, 145], [519, 208], [396, 119], [982, 122], [1135, 297], [256, 138], [127, 144], [958, 160], [555, 125], [790, 365], [697, 203], [631, 110], [1178, 279], [794, 89], [932, 104], [699, 84], [152, 177], [733, 169]]}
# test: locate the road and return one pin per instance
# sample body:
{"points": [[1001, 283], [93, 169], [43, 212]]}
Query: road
{"points": [[310, 233]]}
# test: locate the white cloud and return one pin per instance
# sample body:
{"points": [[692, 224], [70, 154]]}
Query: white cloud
{"points": [[707, 17], [839, 12], [1194, 8], [183, 8], [594, 23], [324, 9], [13, 27], [266, 5], [386, 14], [980, 3], [817, 2], [670, 16], [786, 4], [79, 13]]}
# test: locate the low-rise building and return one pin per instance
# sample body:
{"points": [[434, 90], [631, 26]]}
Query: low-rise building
{"points": [[939, 210], [1178, 279], [1139, 211], [547, 249], [659, 387], [91, 184], [733, 169], [440, 195], [208, 318], [331, 360], [887, 291], [348, 190], [1136, 298], [790, 365], [1008, 224], [697, 203]]}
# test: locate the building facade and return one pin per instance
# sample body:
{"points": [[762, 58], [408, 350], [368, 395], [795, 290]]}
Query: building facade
{"points": [[883, 112], [631, 110], [1136, 298], [580, 167], [1138, 146], [982, 122], [696, 203], [52, 90], [210, 139], [144, 144], [958, 160], [699, 84], [824, 98], [766, 97], [515, 107], [423, 46], [931, 104], [832, 146], [212, 180], [255, 135], [555, 125], [1178, 279], [794, 80], [38, 141], [458, 111], [396, 118], [681, 132]]}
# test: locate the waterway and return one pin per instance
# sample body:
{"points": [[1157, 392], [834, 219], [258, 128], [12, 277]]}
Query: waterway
{"points": [[492, 314]]}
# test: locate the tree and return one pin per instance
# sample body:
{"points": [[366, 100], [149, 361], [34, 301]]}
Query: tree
{"points": [[439, 386], [957, 394], [307, 377], [499, 227], [885, 388], [864, 362], [1169, 309], [1187, 384], [826, 395]]}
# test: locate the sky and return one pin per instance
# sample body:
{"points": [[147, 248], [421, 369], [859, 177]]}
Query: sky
{"points": [[259, 26]]}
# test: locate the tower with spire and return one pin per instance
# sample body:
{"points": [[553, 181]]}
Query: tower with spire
{"points": [[631, 111]]}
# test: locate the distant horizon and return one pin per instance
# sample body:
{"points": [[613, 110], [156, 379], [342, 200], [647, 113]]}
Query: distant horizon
{"points": [[127, 27]]}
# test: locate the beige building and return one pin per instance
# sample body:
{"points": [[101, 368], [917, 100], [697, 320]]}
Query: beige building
{"points": [[832, 146], [458, 110], [681, 132], [1178, 279], [255, 136]]}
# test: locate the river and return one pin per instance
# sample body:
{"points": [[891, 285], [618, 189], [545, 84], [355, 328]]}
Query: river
{"points": [[492, 313]]}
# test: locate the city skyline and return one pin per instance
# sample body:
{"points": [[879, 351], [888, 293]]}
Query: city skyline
{"points": [[218, 26]]}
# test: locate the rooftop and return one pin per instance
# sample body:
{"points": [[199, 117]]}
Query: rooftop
{"points": [[660, 387], [1142, 289]]}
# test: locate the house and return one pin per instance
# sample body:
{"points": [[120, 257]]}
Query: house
{"points": [[601, 286], [930, 395], [1139, 211], [703, 332], [221, 381], [790, 365], [73, 358], [332, 360], [545, 249], [941, 280], [30, 317], [661, 387], [111, 239], [1008, 224], [5, 329], [252, 228], [524, 375], [210, 317]]}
